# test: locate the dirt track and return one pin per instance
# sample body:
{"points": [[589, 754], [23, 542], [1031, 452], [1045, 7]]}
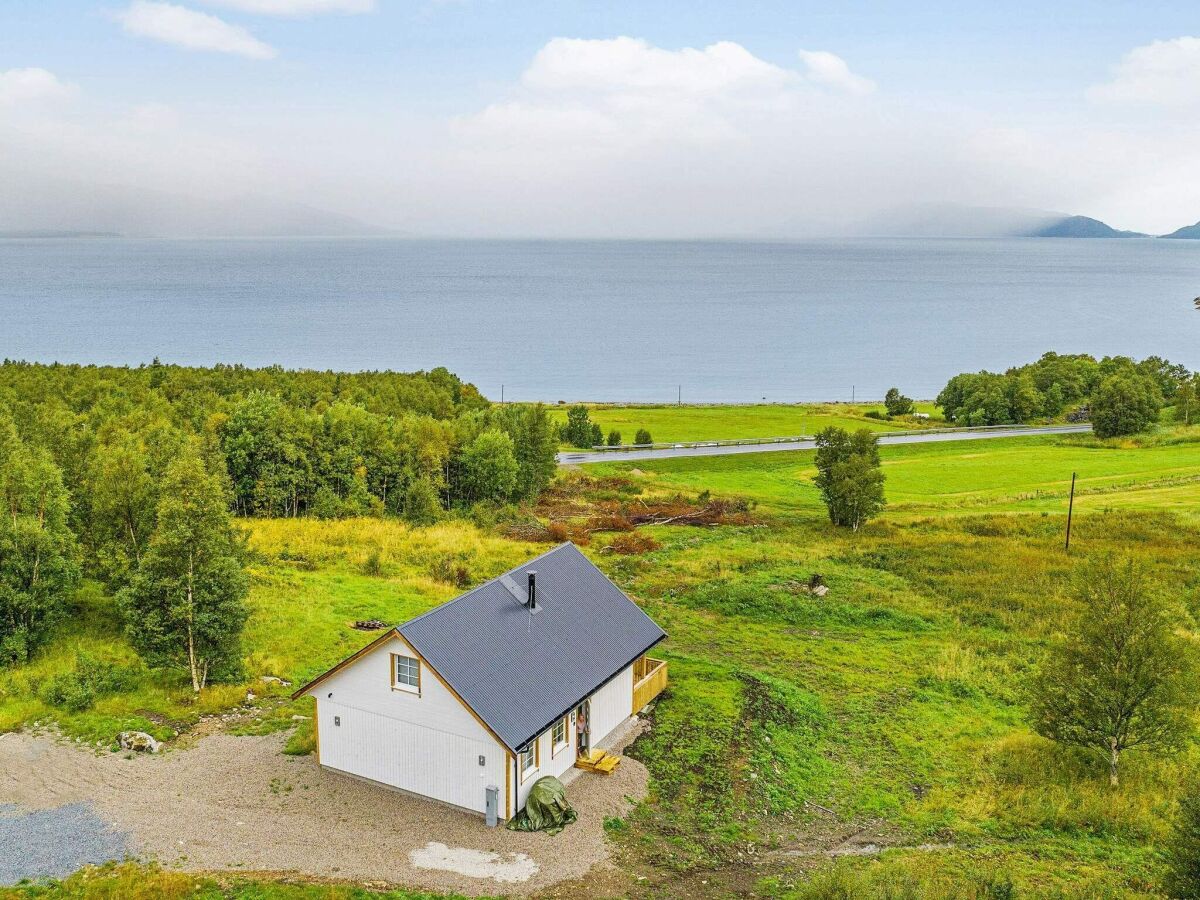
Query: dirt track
{"points": [[237, 803]]}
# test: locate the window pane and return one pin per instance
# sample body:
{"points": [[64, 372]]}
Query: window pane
{"points": [[407, 671]]}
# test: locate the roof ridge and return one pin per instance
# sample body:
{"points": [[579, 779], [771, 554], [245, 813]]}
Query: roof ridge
{"points": [[484, 584]]}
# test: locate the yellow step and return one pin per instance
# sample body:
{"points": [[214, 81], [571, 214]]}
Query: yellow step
{"points": [[598, 761]]}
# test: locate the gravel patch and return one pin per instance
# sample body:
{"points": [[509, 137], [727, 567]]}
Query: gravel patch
{"points": [[237, 803], [53, 843]]}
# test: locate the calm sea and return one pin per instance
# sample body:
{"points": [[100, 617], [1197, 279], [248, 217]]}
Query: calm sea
{"points": [[606, 320]]}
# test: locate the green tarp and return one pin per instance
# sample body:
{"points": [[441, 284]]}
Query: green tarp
{"points": [[546, 809]]}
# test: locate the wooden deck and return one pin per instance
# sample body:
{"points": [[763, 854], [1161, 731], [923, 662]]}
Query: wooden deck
{"points": [[649, 680]]}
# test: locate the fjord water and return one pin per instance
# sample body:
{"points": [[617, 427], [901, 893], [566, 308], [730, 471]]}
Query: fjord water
{"points": [[606, 320]]}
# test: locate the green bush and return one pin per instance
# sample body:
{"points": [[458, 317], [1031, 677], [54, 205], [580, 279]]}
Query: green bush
{"points": [[614, 438], [643, 437], [91, 677], [1182, 854]]}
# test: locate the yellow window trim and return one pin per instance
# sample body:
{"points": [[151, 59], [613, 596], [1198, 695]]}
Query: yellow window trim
{"points": [[405, 688]]}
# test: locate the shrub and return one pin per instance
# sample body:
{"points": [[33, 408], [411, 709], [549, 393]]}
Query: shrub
{"points": [[451, 568], [614, 438], [633, 542], [875, 414], [422, 505], [90, 677], [1182, 854], [643, 437]]}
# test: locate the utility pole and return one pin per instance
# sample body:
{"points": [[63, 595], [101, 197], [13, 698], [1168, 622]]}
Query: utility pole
{"points": [[679, 396], [501, 395], [1070, 510], [852, 394]]}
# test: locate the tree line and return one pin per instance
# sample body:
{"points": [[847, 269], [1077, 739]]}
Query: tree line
{"points": [[1118, 394], [129, 475]]}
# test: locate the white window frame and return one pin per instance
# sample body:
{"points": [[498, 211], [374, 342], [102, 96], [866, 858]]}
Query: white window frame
{"points": [[532, 753], [411, 671], [557, 746]]}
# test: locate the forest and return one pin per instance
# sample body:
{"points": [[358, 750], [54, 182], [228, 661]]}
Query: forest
{"points": [[92, 457]]}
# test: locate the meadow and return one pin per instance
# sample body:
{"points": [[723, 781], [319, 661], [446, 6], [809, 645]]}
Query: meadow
{"points": [[872, 742], [729, 422]]}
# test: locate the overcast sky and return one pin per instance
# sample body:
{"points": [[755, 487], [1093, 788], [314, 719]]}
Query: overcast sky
{"points": [[613, 117]]}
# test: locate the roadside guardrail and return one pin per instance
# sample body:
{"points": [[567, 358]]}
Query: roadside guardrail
{"points": [[795, 439]]}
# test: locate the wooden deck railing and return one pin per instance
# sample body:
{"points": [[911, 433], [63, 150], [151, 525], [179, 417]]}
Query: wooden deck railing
{"points": [[649, 680]]}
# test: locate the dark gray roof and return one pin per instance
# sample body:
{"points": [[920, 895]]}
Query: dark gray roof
{"points": [[520, 671]]}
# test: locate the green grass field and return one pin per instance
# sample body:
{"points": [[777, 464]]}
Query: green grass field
{"points": [[1010, 474], [892, 708], [722, 422]]}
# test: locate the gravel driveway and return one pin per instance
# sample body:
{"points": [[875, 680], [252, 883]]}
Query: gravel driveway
{"points": [[239, 803]]}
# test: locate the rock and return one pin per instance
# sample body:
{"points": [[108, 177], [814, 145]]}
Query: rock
{"points": [[138, 742], [299, 718], [271, 679], [251, 696]]}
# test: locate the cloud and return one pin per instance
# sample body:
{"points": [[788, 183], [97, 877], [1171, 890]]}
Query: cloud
{"points": [[193, 30], [1162, 73], [626, 92], [32, 86], [830, 71], [295, 7]]}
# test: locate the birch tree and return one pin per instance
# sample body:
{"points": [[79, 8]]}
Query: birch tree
{"points": [[185, 607], [37, 549], [1122, 679]]}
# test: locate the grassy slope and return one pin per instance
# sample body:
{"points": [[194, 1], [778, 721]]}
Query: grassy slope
{"points": [[895, 702], [710, 423]]}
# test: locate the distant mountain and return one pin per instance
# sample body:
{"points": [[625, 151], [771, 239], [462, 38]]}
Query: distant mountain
{"points": [[42, 206], [934, 220], [1082, 227], [951, 220], [1187, 232]]}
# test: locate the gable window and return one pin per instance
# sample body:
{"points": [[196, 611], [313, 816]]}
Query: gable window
{"points": [[558, 737], [406, 674], [527, 760]]}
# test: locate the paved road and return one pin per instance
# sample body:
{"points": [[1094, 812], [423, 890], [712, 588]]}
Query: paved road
{"points": [[577, 457]]}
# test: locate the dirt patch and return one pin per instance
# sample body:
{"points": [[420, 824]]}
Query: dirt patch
{"points": [[237, 803]]}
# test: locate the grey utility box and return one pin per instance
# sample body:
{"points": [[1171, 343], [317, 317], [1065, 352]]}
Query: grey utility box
{"points": [[493, 805]]}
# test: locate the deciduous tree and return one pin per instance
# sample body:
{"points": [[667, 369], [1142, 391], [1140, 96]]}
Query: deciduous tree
{"points": [[849, 476], [1121, 678], [185, 607], [37, 549], [1125, 403], [896, 403]]}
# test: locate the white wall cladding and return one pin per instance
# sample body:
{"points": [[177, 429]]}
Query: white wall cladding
{"points": [[612, 705], [413, 757], [431, 744], [428, 745], [551, 763]]}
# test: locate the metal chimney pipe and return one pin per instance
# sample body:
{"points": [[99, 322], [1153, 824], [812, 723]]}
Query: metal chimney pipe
{"points": [[532, 603]]}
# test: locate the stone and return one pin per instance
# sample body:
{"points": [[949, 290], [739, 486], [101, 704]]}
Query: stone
{"points": [[138, 742]]}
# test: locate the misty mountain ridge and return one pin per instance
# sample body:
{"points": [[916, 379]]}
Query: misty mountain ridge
{"points": [[33, 207], [954, 221]]}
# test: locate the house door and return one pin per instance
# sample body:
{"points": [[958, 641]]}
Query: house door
{"points": [[583, 728]]}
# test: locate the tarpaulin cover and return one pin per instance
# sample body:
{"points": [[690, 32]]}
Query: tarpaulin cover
{"points": [[546, 809]]}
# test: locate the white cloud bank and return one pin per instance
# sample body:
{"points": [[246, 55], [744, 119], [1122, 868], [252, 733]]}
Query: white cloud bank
{"points": [[295, 7], [32, 86], [621, 138], [191, 30], [830, 70], [1162, 73]]}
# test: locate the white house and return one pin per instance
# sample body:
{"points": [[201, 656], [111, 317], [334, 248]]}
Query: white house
{"points": [[509, 682]]}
